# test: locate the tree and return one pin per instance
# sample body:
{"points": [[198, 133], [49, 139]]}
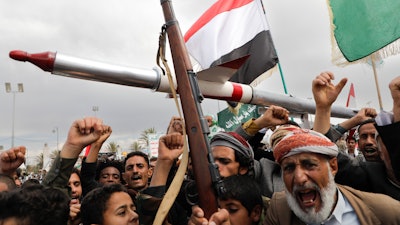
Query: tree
{"points": [[112, 147], [39, 159], [54, 154], [136, 146], [144, 135]]}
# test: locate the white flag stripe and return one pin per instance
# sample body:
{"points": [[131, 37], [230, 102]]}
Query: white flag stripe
{"points": [[225, 33]]}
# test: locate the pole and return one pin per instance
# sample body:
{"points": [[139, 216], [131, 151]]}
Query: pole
{"points": [[55, 130], [376, 81], [13, 121], [282, 78], [9, 90]]}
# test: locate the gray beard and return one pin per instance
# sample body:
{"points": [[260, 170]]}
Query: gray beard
{"points": [[327, 200]]}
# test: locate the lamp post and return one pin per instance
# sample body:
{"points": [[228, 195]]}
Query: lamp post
{"points": [[95, 109], [55, 130], [9, 90]]}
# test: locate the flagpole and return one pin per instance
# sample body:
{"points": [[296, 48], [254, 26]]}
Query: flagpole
{"points": [[376, 81], [282, 78]]}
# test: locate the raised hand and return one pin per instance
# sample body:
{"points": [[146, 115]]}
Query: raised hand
{"points": [[324, 91], [82, 133], [275, 115], [11, 159], [394, 87]]}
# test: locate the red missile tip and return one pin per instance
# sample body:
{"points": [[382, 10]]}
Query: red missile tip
{"points": [[44, 60], [19, 55]]}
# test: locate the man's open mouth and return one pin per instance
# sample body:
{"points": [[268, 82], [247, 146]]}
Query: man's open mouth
{"points": [[370, 150], [136, 177], [307, 197]]}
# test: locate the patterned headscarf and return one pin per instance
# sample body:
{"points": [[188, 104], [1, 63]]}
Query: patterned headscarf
{"points": [[303, 140], [280, 133]]}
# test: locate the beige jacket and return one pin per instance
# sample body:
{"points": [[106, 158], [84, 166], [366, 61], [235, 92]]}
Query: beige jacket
{"points": [[371, 208]]}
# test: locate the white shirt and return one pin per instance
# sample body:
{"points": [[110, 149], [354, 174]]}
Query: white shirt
{"points": [[343, 214]]}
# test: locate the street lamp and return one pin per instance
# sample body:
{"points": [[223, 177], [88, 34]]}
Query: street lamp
{"points": [[9, 90], [95, 109], [55, 130]]}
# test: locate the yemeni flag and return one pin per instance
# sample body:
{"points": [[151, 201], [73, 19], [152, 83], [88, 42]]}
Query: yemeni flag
{"points": [[362, 27], [351, 98], [233, 34]]}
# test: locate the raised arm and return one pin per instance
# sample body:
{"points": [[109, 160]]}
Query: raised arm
{"points": [[95, 147], [11, 159], [394, 87], [362, 115], [274, 116], [89, 164], [170, 147], [325, 94], [81, 133]]}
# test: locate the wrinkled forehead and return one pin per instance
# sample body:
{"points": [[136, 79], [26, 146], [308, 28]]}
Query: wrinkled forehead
{"points": [[304, 156]]}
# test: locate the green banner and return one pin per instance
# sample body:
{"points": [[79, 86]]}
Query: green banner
{"points": [[363, 27], [229, 121]]}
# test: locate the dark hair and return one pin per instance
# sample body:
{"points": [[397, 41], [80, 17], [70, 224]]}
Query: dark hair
{"points": [[244, 189], [33, 204], [29, 182], [365, 122], [94, 203], [102, 164], [77, 171], [138, 153], [153, 158]]}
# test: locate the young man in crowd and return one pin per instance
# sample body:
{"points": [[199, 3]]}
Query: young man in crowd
{"points": [[137, 171], [242, 200]]}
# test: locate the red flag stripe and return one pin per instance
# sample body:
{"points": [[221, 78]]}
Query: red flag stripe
{"points": [[216, 9], [226, 32]]}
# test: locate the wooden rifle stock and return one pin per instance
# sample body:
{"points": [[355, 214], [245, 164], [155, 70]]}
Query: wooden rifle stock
{"points": [[190, 98]]}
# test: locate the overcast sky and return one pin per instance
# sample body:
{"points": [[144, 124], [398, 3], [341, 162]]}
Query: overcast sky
{"points": [[126, 33]]}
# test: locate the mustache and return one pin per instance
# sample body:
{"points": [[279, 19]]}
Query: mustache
{"points": [[136, 177], [308, 185]]}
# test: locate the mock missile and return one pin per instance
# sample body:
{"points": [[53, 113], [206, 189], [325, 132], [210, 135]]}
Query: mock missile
{"points": [[154, 79]]}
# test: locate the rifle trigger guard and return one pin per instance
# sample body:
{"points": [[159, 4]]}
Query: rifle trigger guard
{"points": [[191, 193]]}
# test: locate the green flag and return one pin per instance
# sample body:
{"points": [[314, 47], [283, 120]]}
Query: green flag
{"points": [[229, 121], [362, 27]]}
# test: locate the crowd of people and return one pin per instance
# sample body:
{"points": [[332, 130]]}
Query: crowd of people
{"points": [[307, 176]]}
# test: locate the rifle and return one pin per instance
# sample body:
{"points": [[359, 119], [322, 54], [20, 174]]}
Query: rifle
{"points": [[195, 123]]}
